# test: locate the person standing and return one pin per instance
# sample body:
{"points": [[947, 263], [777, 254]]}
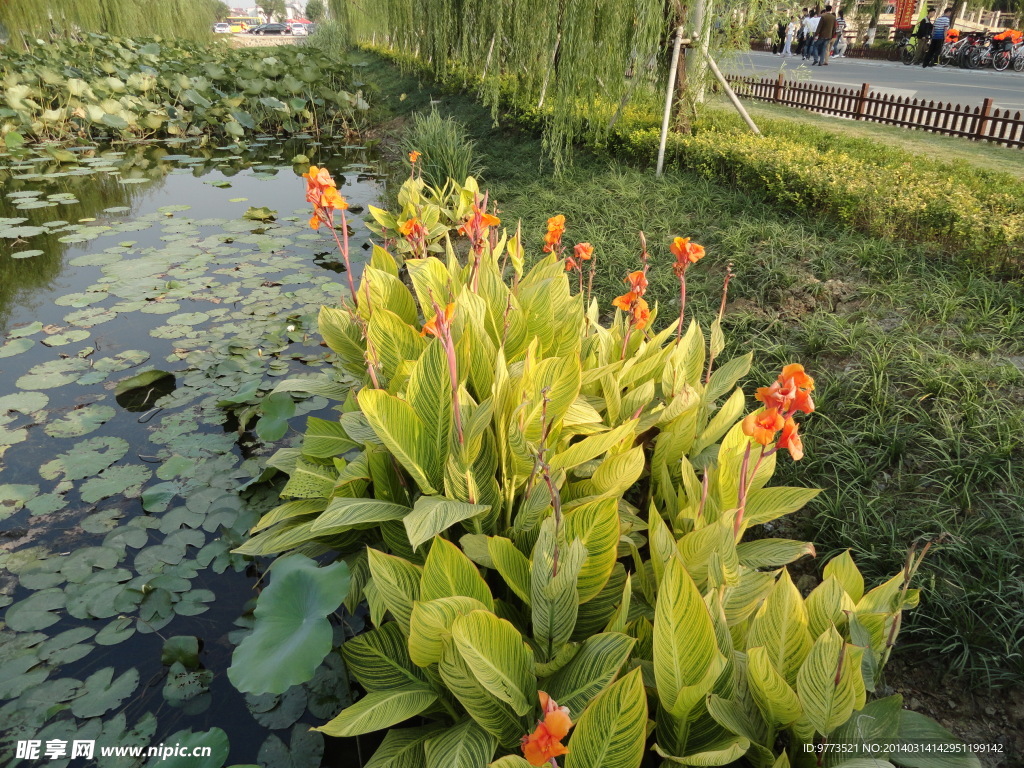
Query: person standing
{"points": [[781, 38], [810, 27], [791, 29], [824, 34], [938, 38], [840, 44], [923, 34]]}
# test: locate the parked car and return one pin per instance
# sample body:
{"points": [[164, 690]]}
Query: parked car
{"points": [[270, 29], [222, 28], [299, 29]]}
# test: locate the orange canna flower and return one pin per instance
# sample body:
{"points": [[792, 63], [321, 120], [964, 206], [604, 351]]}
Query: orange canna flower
{"points": [[545, 743], [795, 371], [414, 156], [331, 200], [319, 177], [762, 425], [314, 221], [641, 314], [412, 228], [570, 263], [790, 439], [583, 251], [685, 251], [556, 228], [438, 321], [637, 282], [625, 301]]}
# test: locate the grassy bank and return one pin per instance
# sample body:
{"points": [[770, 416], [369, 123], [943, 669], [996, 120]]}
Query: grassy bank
{"points": [[880, 190], [918, 356]]}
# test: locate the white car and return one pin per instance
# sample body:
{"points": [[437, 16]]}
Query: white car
{"points": [[299, 29], [222, 28]]}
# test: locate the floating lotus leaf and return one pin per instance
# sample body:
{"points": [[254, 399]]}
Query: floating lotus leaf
{"points": [[14, 496], [140, 380], [304, 750], [86, 459], [260, 214], [278, 711], [80, 422], [37, 611], [292, 634], [16, 347], [215, 739], [104, 693]]}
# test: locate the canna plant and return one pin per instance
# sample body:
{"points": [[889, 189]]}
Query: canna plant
{"points": [[553, 522]]}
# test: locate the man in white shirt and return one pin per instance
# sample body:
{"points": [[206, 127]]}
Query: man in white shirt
{"points": [[791, 29], [810, 29]]}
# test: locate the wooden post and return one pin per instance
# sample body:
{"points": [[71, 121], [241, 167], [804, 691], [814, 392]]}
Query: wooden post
{"points": [[982, 121], [730, 92], [669, 93], [779, 83], [862, 100]]}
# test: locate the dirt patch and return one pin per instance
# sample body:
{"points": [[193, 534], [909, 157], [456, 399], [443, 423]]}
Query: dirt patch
{"points": [[980, 716]]}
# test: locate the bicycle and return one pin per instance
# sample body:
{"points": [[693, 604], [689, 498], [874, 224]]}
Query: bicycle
{"points": [[911, 52], [1003, 56], [895, 52]]}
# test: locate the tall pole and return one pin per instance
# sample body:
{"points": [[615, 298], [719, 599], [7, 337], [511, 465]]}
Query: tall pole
{"points": [[669, 93]]}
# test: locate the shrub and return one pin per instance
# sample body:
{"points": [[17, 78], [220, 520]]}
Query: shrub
{"points": [[604, 476], [447, 152]]}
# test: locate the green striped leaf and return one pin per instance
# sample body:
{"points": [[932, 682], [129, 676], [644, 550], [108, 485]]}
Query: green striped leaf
{"points": [[403, 748], [429, 392], [464, 745], [309, 480], [686, 657], [432, 515], [385, 292], [847, 574], [290, 510], [379, 710], [512, 564], [326, 439], [553, 597], [379, 659], [595, 665], [396, 424], [495, 653], [829, 683], [726, 752], [431, 626], [613, 729], [448, 572], [827, 606], [396, 583], [597, 526], [592, 447], [511, 761], [781, 627], [492, 714], [393, 341], [776, 700], [773, 553], [768, 504], [343, 514]]}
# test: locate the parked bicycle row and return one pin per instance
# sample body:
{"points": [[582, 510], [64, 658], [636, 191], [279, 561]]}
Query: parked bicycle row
{"points": [[938, 42]]}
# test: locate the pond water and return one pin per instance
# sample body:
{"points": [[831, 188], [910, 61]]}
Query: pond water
{"points": [[118, 509]]}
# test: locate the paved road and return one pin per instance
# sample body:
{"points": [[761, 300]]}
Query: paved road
{"points": [[947, 84]]}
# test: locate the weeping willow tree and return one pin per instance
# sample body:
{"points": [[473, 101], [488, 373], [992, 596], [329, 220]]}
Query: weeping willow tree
{"points": [[583, 62], [41, 19]]}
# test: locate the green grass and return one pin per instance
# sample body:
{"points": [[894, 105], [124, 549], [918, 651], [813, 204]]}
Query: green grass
{"points": [[954, 149], [918, 361]]}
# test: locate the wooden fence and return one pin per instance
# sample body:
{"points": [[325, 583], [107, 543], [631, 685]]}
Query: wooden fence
{"points": [[979, 123]]}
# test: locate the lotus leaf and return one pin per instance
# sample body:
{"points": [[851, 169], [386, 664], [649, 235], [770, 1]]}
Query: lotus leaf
{"points": [[305, 749], [292, 634], [80, 422]]}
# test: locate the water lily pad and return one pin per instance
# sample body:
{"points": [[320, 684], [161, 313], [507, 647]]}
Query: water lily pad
{"points": [[26, 330], [278, 711], [140, 380], [46, 504], [124, 481], [27, 254], [63, 339], [103, 692], [188, 318], [37, 611], [305, 749], [14, 496], [184, 686], [16, 347], [86, 459], [117, 631], [256, 214], [23, 402], [80, 422]]}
